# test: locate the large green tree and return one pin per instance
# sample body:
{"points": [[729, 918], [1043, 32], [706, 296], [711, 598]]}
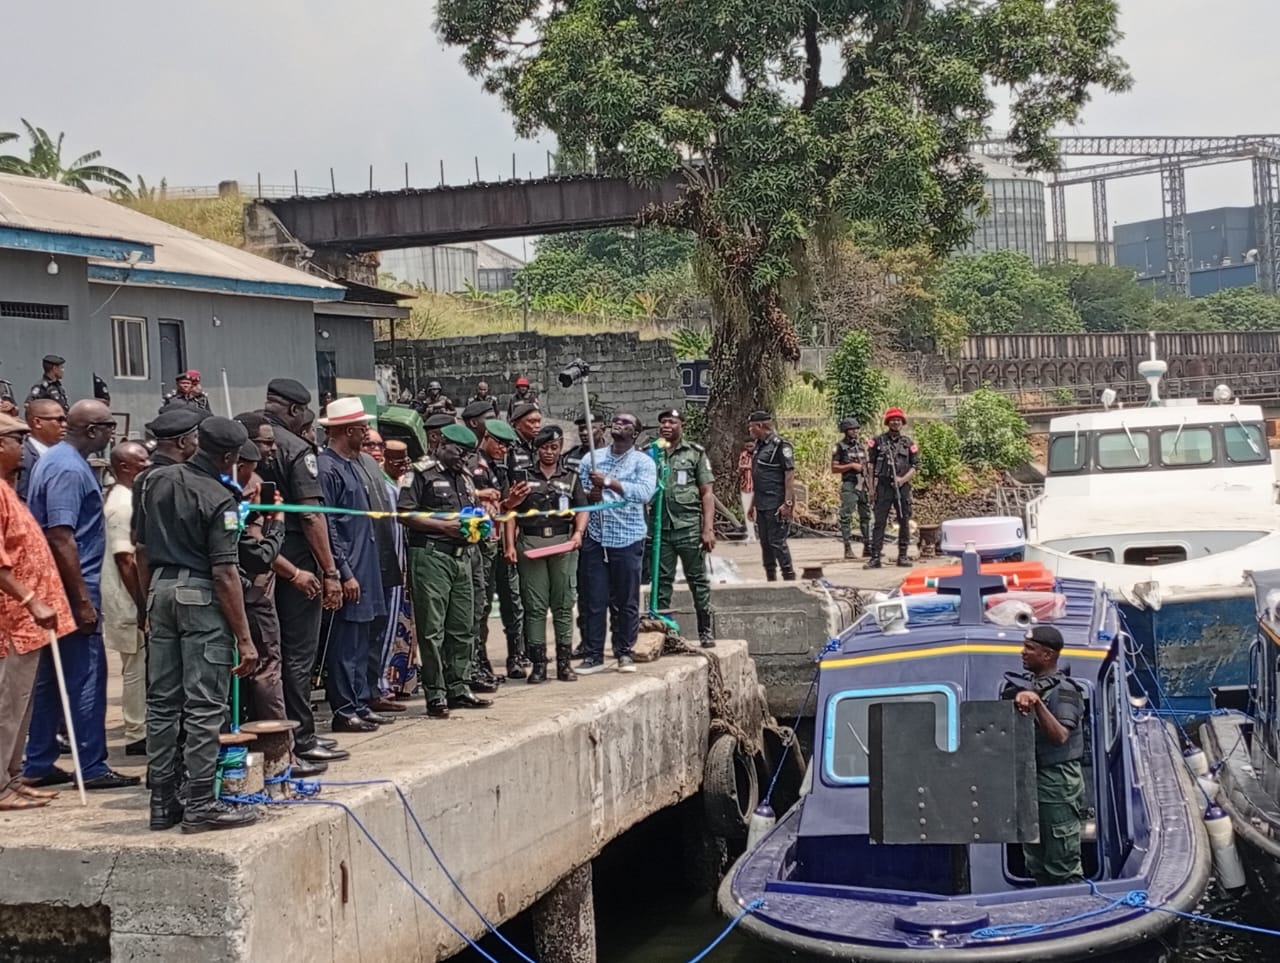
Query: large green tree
{"points": [[44, 160], [1106, 298], [1002, 293], [799, 118]]}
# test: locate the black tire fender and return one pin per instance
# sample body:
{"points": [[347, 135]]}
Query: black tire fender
{"points": [[730, 790]]}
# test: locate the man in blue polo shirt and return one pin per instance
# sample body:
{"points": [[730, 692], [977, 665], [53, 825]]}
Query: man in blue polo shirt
{"points": [[613, 547], [66, 500]]}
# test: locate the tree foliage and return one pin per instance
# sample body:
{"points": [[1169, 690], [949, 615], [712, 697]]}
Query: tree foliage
{"points": [[857, 387], [614, 265], [1241, 309], [1104, 298], [801, 117], [991, 431], [941, 461], [1002, 293], [44, 160]]}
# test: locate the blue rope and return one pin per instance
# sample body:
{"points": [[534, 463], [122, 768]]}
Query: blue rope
{"points": [[832, 645], [750, 908]]}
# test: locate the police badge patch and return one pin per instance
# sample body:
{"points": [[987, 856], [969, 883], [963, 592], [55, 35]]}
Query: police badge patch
{"points": [[787, 451], [230, 521], [310, 461]]}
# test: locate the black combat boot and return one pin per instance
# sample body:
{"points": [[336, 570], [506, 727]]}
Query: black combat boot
{"points": [[564, 671], [205, 812], [903, 561], [706, 637], [770, 576], [166, 810], [514, 669], [873, 562], [538, 673], [848, 549], [788, 575]]}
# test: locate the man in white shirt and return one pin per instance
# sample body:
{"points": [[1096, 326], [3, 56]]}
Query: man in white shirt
{"points": [[122, 595]]}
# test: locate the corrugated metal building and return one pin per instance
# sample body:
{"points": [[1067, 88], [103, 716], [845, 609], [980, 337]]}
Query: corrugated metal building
{"points": [[453, 268], [1223, 237], [1015, 216], [137, 300]]}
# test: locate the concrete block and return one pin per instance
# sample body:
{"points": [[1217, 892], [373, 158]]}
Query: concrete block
{"points": [[648, 647]]}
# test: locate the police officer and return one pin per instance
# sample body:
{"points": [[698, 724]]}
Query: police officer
{"points": [[1053, 700], [849, 461], [773, 470], [188, 537], [50, 386], [440, 560], [523, 395], [482, 395], [526, 419], [187, 391], [175, 435], [436, 401], [434, 425], [587, 441], [300, 601], [687, 526], [498, 493], [548, 583], [893, 457]]}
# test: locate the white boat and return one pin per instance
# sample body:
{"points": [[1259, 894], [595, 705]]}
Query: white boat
{"points": [[1167, 506]]}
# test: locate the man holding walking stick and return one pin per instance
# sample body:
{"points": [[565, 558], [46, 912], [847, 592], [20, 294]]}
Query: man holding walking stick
{"points": [[893, 457]]}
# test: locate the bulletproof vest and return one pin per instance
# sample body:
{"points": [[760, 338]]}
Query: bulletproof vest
{"points": [[848, 452], [1061, 696], [893, 455]]}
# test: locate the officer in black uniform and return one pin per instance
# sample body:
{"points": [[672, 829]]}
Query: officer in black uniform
{"points": [[849, 461], [474, 416], [1047, 694], [893, 457], [773, 471], [188, 544], [482, 395], [436, 401], [175, 436], [50, 386], [526, 419], [435, 424], [299, 603]]}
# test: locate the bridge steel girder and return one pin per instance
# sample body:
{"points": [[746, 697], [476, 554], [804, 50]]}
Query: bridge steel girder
{"points": [[1266, 206], [1125, 146], [1173, 186], [387, 220], [1101, 224]]}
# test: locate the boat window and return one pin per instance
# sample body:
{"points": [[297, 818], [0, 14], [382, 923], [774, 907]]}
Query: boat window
{"points": [[1124, 449], [1244, 443], [1068, 453], [845, 729], [1111, 707], [1186, 446], [1095, 554], [1155, 554]]}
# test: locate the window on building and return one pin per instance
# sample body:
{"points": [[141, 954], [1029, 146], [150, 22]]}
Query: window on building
{"points": [[129, 344], [1244, 443], [1180, 447], [34, 311], [1124, 449], [846, 731]]}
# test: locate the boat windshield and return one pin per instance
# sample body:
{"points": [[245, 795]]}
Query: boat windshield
{"points": [[847, 723]]}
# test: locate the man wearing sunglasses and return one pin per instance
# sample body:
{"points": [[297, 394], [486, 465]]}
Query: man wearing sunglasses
{"points": [[613, 547], [48, 423]]}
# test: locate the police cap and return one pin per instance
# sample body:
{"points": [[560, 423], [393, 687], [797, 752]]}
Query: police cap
{"points": [[847, 423], [675, 413], [52, 359], [220, 435], [176, 421], [249, 452], [460, 435], [477, 409], [1045, 635], [438, 420], [547, 435], [756, 417], [294, 392], [252, 421], [500, 429], [522, 411]]}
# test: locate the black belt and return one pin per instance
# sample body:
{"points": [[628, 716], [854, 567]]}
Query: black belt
{"points": [[179, 571], [545, 530], [452, 549]]}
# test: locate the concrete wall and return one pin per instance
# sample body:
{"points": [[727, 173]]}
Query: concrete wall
{"points": [[24, 341], [641, 376], [785, 625]]}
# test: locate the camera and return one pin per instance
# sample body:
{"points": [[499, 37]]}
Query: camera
{"points": [[576, 371]]}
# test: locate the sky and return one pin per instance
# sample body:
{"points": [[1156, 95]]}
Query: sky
{"points": [[198, 91]]}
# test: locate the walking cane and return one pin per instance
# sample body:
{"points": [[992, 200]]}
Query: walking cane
{"points": [[66, 714]]}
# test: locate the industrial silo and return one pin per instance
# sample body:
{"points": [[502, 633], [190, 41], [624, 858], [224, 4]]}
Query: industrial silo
{"points": [[1015, 216]]}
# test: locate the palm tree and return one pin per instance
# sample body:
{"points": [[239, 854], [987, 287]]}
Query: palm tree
{"points": [[44, 160]]}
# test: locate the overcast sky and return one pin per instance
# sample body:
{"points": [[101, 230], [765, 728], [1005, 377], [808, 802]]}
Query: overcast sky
{"points": [[201, 91]]}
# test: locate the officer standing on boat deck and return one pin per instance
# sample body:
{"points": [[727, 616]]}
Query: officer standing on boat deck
{"points": [[893, 457], [849, 461], [1047, 694], [773, 471]]}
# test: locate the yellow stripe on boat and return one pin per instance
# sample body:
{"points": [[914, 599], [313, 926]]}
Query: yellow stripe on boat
{"points": [[1269, 632], [940, 650]]}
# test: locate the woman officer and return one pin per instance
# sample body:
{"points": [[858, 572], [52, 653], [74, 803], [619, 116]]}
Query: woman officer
{"points": [[545, 550]]}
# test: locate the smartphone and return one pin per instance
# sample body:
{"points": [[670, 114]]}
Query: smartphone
{"points": [[268, 494]]}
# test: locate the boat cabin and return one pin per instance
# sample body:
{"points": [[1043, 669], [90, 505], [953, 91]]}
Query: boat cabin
{"points": [[943, 648]]}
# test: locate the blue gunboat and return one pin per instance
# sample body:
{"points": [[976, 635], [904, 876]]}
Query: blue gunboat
{"points": [[820, 886]]}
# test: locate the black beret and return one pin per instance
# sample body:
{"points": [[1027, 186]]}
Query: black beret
{"points": [[758, 416], [477, 409], [438, 420], [252, 421], [51, 359], [1047, 636], [294, 392], [220, 435], [523, 411], [547, 435], [249, 452], [308, 418], [176, 421], [671, 413]]}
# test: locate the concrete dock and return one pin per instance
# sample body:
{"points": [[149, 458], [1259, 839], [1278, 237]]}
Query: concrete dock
{"points": [[515, 799]]}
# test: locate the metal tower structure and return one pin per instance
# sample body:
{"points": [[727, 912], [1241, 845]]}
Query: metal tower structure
{"points": [[1169, 157]]}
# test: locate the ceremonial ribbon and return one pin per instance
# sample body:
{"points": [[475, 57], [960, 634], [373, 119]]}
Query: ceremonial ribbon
{"points": [[469, 515]]}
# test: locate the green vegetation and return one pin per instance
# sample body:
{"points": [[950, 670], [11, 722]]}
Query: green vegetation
{"points": [[941, 461], [790, 150], [857, 386], [1002, 293], [44, 160], [217, 218], [991, 432]]}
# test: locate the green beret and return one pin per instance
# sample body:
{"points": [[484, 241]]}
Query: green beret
{"points": [[459, 435], [500, 430]]}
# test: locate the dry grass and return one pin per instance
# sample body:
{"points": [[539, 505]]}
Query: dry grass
{"points": [[217, 218], [452, 316]]}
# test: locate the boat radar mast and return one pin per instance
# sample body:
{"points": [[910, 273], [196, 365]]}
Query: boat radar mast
{"points": [[1153, 369]]}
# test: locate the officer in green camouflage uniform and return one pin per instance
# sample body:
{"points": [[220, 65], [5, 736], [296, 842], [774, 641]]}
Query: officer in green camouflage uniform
{"points": [[688, 521], [1048, 695], [849, 461], [440, 565]]}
